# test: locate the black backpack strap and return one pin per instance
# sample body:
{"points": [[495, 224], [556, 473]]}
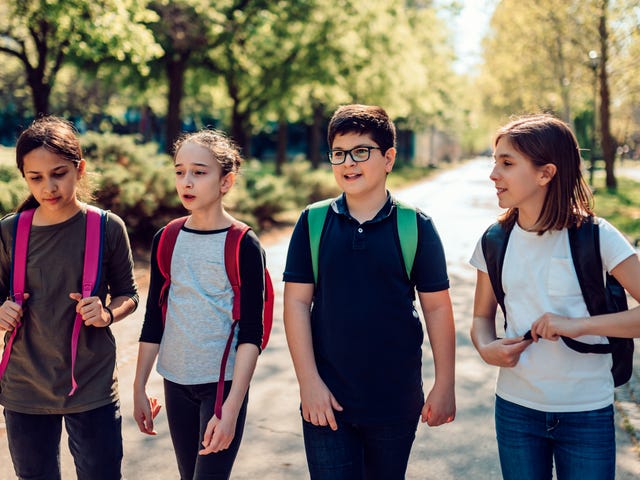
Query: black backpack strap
{"points": [[494, 246], [584, 243]]}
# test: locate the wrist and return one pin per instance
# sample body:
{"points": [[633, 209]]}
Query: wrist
{"points": [[110, 313]]}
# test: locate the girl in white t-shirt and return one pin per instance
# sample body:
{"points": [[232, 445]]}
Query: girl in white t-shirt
{"points": [[552, 403]]}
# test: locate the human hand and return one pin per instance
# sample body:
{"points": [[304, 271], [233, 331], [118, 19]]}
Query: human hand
{"points": [[551, 327], [11, 314], [219, 432], [145, 409], [91, 310], [504, 352], [440, 406], [318, 404]]}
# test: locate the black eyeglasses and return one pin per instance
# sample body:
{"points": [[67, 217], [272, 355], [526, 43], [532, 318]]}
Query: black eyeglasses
{"points": [[358, 154]]}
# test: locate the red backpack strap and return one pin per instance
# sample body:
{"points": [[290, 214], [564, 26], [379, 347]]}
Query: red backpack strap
{"points": [[269, 300], [232, 265], [90, 275], [18, 269], [164, 254]]}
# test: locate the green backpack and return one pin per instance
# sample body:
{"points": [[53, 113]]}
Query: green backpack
{"points": [[407, 223]]}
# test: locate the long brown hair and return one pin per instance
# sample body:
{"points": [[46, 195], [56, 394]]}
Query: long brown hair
{"points": [[544, 139], [57, 136]]}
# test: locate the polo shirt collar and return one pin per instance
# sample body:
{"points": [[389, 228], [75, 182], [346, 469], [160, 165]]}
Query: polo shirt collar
{"points": [[339, 206]]}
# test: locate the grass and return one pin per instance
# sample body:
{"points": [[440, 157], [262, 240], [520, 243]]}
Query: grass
{"points": [[621, 207]]}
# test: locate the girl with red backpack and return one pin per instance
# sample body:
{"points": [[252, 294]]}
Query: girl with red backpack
{"points": [[189, 322]]}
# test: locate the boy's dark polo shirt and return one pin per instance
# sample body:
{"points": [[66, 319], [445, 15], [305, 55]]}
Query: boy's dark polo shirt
{"points": [[367, 335]]}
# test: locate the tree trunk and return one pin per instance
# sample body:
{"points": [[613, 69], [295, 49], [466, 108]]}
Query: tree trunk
{"points": [[315, 135], [241, 130], [40, 90], [608, 142], [281, 152], [175, 73]]}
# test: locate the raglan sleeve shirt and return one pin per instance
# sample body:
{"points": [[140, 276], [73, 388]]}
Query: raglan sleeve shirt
{"points": [[252, 265]]}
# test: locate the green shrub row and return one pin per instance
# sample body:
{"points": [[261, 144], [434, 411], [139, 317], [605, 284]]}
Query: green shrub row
{"points": [[137, 183]]}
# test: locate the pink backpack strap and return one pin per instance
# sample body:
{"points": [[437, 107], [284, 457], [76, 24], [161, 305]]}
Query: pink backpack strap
{"points": [[90, 275], [18, 269], [166, 244]]}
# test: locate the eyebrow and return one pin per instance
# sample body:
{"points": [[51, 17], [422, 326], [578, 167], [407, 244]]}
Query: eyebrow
{"points": [[52, 170]]}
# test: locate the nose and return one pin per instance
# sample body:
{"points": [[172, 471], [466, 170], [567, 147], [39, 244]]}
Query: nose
{"points": [[50, 184], [187, 180], [494, 173]]}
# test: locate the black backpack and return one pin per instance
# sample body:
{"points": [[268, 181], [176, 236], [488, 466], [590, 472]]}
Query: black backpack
{"points": [[600, 298]]}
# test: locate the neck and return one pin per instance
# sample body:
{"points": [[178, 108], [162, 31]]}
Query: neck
{"points": [[43, 216], [209, 220], [365, 208]]}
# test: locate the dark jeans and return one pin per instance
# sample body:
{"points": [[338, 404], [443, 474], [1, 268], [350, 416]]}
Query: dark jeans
{"points": [[357, 452], [582, 444], [95, 442], [189, 409]]}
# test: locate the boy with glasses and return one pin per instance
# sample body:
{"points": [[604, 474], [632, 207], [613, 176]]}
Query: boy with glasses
{"points": [[354, 334]]}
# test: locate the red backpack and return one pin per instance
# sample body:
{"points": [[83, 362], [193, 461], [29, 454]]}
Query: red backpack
{"points": [[235, 234], [90, 274]]}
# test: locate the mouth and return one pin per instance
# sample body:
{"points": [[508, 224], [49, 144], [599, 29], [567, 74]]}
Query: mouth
{"points": [[188, 197], [352, 176], [500, 191], [51, 200]]}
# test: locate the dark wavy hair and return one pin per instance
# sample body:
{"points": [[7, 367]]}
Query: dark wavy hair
{"points": [[55, 135], [544, 139]]}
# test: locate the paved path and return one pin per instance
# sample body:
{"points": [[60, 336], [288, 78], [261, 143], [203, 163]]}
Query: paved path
{"points": [[462, 203]]}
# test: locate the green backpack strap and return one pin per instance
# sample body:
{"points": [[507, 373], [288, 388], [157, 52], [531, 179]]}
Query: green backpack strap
{"points": [[315, 218], [407, 233]]}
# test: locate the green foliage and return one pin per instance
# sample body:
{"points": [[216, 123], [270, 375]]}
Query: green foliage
{"points": [[13, 190], [621, 207], [134, 181], [263, 199]]}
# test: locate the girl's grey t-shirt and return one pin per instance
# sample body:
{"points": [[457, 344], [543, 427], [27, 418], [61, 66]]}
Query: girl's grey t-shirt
{"points": [[199, 311]]}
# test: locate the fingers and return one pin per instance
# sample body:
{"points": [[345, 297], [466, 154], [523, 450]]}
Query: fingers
{"points": [[10, 315], [217, 436], [91, 310]]}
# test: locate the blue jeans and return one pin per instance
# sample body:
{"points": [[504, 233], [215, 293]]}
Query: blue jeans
{"points": [[189, 409], [95, 442], [582, 444], [358, 452]]}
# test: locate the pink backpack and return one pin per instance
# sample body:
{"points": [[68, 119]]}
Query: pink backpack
{"points": [[90, 274]]}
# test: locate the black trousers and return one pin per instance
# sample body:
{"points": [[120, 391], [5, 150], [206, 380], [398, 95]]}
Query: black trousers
{"points": [[189, 409]]}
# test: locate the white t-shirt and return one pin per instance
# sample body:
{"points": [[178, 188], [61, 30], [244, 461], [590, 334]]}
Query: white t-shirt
{"points": [[538, 276]]}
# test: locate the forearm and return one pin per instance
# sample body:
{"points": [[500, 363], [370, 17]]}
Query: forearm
{"points": [[297, 323], [624, 324], [483, 331], [147, 353], [442, 337], [245, 365], [121, 307]]}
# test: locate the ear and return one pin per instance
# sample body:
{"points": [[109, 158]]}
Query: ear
{"points": [[227, 182], [389, 159], [82, 166], [547, 172]]}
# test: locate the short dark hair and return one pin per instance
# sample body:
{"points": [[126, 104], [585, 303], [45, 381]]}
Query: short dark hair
{"points": [[363, 119], [544, 139]]}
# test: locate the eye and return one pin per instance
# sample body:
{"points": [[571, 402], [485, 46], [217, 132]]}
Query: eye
{"points": [[179, 173], [200, 172], [338, 154], [36, 178], [361, 152]]}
